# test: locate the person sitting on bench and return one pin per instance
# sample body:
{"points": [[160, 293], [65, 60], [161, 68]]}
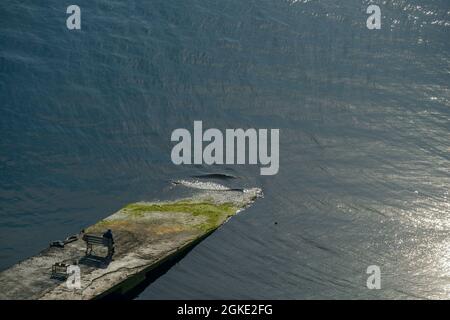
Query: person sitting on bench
{"points": [[105, 240], [108, 235]]}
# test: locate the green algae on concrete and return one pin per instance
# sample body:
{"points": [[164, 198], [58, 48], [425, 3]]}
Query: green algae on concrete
{"points": [[145, 233], [212, 212]]}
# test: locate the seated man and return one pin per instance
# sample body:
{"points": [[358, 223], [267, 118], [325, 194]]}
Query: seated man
{"points": [[108, 235]]}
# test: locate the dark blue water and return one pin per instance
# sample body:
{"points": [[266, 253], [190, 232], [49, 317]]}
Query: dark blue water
{"points": [[86, 118]]}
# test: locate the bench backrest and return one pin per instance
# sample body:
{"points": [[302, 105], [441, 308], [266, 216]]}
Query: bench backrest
{"points": [[60, 268], [93, 239]]}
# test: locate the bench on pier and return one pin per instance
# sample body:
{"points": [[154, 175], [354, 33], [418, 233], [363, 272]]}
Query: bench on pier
{"points": [[59, 270], [92, 240]]}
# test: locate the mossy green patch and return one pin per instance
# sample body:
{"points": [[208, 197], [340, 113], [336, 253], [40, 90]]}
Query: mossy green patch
{"points": [[214, 213]]}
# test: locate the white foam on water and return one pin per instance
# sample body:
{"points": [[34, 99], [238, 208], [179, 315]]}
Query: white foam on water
{"points": [[203, 185]]}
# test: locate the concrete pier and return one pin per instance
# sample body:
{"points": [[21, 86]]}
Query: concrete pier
{"points": [[146, 234]]}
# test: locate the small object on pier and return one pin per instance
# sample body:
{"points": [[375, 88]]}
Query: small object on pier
{"points": [[92, 240], [58, 244], [71, 239], [59, 271]]}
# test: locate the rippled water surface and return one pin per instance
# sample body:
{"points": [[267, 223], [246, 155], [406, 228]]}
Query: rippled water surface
{"points": [[86, 118]]}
